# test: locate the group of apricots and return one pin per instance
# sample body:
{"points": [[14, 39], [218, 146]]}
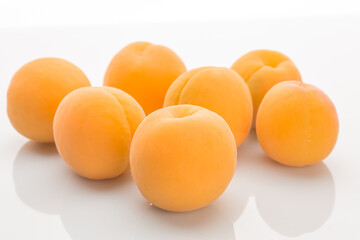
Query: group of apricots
{"points": [[177, 131]]}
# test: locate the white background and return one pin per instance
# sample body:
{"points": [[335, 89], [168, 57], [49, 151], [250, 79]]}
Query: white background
{"points": [[86, 12], [41, 198]]}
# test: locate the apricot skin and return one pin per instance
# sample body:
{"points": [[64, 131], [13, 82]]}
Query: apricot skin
{"points": [[262, 69], [218, 89], [145, 71], [182, 157], [93, 127], [35, 92], [297, 124]]}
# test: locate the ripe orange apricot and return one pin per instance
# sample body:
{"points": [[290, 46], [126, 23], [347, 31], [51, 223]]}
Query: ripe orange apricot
{"points": [[262, 69], [93, 127], [218, 89], [35, 92], [297, 124], [145, 71], [182, 157]]}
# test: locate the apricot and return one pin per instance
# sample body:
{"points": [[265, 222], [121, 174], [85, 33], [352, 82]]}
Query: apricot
{"points": [[218, 89], [262, 69], [35, 92], [297, 124], [93, 127], [145, 71], [182, 157]]}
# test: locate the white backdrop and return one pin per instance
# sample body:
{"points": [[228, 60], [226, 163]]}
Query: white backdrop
{"points": [[41, 198], [15, 13]]}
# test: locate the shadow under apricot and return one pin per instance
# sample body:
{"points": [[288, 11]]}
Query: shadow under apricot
{"points": [[292, 201], [111, 209]]}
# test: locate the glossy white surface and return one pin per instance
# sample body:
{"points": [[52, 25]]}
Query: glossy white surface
{"points": [[41, 198]]}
